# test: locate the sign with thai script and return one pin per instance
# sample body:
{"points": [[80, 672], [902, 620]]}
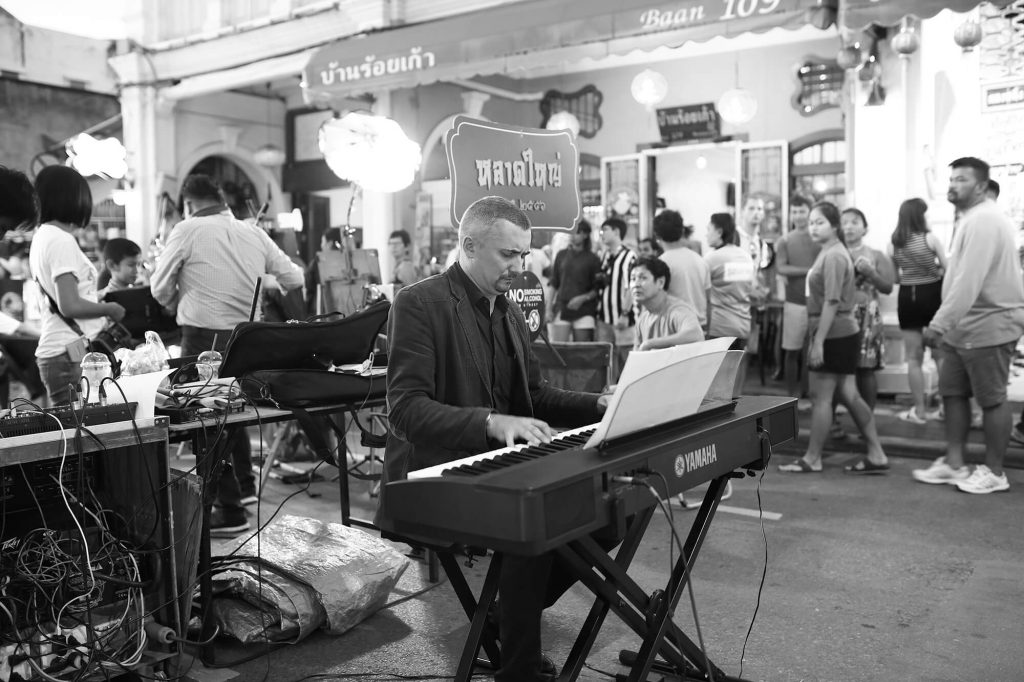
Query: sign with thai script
{"points": [[1002, 96], [536, 169], [689, 122], [505, 37]]}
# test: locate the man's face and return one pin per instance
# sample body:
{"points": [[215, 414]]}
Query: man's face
{"points": [[397, 248], [578, 239], [964, 187], [753, 212], [496, 258], [798, 216], [127, 271], [643, 285], [610, 236], [645, 249]]}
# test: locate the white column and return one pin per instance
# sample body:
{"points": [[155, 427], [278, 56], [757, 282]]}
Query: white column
{"points": [[148, 130], [139, 122], [379, 209]]}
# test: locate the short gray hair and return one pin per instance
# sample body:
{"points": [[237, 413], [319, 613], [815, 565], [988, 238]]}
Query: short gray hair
{"points": [[483, 213]]}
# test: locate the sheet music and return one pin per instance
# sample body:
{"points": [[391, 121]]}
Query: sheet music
{"points": [[662, 385]]}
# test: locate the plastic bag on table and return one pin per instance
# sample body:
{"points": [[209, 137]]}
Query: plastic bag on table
{"points": [[352, 571], [150, 356]]}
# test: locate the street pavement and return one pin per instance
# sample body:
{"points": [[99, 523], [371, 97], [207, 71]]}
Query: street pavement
{"points": [[851, 578]]}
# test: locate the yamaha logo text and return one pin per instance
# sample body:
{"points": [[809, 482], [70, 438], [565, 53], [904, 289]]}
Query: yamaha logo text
{"points": [[695, 459]]}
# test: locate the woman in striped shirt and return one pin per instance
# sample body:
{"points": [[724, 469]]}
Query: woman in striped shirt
{"points": [[920, 265]]}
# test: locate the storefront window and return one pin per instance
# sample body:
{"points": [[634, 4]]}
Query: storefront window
{"points": [[817, 168]]}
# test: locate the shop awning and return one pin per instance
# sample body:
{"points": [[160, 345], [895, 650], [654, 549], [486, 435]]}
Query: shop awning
{"points": [[860, 14], [519, 35]]}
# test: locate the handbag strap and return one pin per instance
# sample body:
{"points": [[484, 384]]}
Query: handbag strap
{"points": [[56, 310]]}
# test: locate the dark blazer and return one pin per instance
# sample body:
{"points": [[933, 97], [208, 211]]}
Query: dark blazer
{"points": [[438, 397]]}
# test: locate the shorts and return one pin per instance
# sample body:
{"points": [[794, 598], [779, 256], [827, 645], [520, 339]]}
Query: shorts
{"points": [[916, 304], [585, 322], [794, 326], [842, 355], [979, 372]]}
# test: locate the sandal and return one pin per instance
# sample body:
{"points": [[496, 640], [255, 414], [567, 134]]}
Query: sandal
{"points": [[799, 466], [866, 466]]}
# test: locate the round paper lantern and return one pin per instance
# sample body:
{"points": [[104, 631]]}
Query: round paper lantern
{"points": [[649, 88], [564, 120], [371, 151], [967, 35], [737, 106], [849, 57], [905, 43]]}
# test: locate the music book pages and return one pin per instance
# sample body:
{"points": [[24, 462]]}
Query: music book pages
{"points": [[660, 386]]}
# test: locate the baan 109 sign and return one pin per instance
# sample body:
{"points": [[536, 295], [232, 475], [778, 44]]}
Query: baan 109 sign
{"points": [[536, 169]]}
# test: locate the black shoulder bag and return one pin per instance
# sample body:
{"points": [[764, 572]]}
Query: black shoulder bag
{"points": [[110, 338]]}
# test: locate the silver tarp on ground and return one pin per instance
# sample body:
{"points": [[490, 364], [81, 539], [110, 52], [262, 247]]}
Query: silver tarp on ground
{"points": [[311, 574]]}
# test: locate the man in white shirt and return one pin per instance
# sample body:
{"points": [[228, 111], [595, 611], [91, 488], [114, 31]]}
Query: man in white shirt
{"points": [[664, 320], [208, 269]]}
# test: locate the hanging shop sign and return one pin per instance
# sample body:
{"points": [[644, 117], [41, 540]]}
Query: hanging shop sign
{"points": [[1002, 96], [528, 292], [689, 122], [520, 35], [536, 169]]}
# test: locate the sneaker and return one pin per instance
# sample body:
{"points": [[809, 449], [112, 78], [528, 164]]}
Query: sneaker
{"points": [[940, 472], [249, 500], [227, 525], [910, 416], [1016, 436], [983, 481]]}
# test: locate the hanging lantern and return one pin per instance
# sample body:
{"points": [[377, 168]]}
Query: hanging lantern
{"points": [[849, 57], [967, 35], [649, 88], [371, 151], [737, 106], [905, 43], [564, 120]]}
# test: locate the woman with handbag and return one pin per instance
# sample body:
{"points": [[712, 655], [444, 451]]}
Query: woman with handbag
{"points": [[70, 314]]}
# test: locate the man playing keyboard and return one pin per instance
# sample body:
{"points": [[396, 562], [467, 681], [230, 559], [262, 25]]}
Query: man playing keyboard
{"points": [[462, 380]]}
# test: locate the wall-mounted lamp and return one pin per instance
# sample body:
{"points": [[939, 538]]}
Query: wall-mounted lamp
{"points": [[564, 120]]}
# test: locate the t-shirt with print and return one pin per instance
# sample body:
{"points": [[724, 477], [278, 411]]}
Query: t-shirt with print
{"points": [[732, 278], [831, 281], [55, 253]]}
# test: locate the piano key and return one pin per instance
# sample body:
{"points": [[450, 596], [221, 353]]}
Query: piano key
{"points": [[562, 441]]}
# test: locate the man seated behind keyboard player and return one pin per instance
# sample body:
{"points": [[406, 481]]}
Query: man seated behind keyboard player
{"points": [[462, 380]]}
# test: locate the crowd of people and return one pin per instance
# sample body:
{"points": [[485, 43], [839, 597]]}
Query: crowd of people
{"points": [[204, 277], [832, 331]]}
